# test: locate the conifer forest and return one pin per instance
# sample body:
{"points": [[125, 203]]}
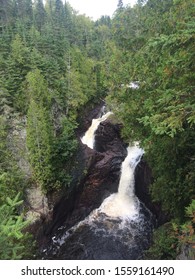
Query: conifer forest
{"points": [[55, 66]]}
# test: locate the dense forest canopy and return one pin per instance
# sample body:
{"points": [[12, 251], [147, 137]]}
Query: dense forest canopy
{"points": [[55, 62]]}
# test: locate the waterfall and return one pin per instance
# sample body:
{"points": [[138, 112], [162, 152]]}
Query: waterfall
{"points": [[121, 228], [124, 204], [89, 136]]}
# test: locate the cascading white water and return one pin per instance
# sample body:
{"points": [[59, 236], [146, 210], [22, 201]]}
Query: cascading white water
{"points": [[118, 229], [89, 136], [124, 204]]}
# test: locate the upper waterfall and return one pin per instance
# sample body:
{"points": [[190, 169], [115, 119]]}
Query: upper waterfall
{"points": [[89, 136]]}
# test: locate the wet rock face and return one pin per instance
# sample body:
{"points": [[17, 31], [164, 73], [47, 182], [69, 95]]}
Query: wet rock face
{"points": [[95, 177], [73, 233], [88, 116], [143, 180], [107, 138], [17, 144]]}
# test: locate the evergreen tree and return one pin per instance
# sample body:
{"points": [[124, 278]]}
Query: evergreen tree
{"points": [[161, 109], [39, 15], [14, 243], [28, 12], [39, 142], [39, 129], [17, 66], [59, 13], [120, 4]]}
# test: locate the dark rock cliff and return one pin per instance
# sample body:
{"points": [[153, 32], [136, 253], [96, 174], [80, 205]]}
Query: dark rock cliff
{"points": [[143, 180], [96, 175]]}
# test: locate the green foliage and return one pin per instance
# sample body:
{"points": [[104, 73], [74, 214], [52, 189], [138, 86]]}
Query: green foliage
{"points": [[48, 154], [16, 67], [11, 182], [39, 142], [37, 89], [164, 244], [3, 136], [156, 48], [14, 243], [185, 233], [80, 80], [44, 63], [53, 62], [40, 15], [177, 179], [51, 66], [64, 149], [190, 210], [11, 178]]}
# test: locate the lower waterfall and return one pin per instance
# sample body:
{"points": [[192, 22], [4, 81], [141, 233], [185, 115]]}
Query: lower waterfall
{"points": [[125, 204], [121, 228]]}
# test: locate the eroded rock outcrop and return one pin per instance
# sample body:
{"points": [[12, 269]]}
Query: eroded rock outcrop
{"points": [[95, 176], [143, 180]]}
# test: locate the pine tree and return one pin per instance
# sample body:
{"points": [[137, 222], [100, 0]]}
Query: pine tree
{"points": [[39, 142], [39, 15], [6, 9], [69, 25], [59, 13], [28, 12], [120, 4], [14, 243], [17, 66], [39, 129], [162, 108]]}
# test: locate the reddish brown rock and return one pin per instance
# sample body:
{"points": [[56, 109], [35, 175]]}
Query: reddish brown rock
{"points": [[96, 175]]}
